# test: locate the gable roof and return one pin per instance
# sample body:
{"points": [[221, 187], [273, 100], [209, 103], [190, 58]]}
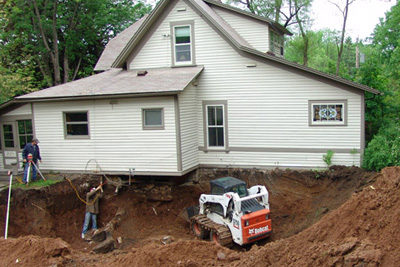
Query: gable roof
{"points": [[119, 83], [204, 8], [115, 45], [276, 26]]}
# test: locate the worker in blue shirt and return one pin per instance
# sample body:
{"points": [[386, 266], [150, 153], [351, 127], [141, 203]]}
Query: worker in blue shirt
{"points": [[31, 152]]}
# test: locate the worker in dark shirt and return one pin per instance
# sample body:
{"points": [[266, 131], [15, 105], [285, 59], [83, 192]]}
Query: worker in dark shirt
{"points": [[31, 154], [92, 209]]}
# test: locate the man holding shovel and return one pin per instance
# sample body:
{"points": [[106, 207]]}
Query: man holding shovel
{"points": [[92, 209]]}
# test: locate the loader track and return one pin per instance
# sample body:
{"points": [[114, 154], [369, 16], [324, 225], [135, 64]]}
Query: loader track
{"points": [[222, 231]]}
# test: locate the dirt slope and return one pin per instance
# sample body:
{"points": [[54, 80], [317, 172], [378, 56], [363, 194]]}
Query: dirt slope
{"points": [[364, 231], [336, 218]]}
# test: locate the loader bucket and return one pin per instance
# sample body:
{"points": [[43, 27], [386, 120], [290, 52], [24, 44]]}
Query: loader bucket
{"points": [[189, 212]]}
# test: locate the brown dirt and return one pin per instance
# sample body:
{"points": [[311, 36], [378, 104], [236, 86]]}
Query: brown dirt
{"points": [[340, 217]]}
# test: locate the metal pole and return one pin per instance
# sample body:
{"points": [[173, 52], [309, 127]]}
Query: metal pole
{"points": [[28, 174], [8, 205], [30, 158], [37, 169]]}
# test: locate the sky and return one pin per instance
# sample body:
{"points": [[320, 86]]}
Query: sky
{"points": [[362, 18]]}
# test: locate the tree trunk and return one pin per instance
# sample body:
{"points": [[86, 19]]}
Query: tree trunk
{"points": [[66, 67], [56, 58], [278, 5], [52, 53], [305, 40], [345, 13], [77, 69]]}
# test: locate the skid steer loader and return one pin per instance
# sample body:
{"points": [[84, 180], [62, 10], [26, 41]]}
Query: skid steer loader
{"points": [[231, 213]]}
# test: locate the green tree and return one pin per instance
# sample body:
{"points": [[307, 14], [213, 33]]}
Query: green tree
{"points": [[345, 11], [384, 149], [286, 12], [382, 71], [49, 42]]}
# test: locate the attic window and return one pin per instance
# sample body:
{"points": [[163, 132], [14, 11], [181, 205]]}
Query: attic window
{"points": [[142, 73], [276, 43], [328, 112]]}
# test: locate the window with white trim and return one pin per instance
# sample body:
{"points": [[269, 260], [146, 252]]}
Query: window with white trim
{"points": [[25, 132], [328, 112], [276, 43], [183, 45], [215, 126], [76, 124], [153, 119]]}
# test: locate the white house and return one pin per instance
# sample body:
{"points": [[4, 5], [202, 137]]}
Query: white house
{"points": [[194, 84]]}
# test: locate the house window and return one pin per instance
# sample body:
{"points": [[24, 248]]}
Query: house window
{"points": [[153, 119], [76, 124], [8, 136], [25, 132], [215, 126], [328, 112], [182, 43], [276, 43]]}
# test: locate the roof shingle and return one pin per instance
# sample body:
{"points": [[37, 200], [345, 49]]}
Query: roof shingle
{"points": [[118, 82]]}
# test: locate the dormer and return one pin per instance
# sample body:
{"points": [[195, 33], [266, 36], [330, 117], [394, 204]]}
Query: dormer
{"points": [[261, 33], [276, 43]]}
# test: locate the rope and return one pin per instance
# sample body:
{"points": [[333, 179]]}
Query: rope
{"points": [[105, 176], [77, 194]]}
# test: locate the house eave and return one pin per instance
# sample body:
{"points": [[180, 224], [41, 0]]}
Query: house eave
{"points": [[120, 60], [273, 24], [94, 97], [309, 70]]}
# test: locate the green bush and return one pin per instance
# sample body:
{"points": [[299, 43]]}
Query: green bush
{"points": [[384, 148], [328, 157]]}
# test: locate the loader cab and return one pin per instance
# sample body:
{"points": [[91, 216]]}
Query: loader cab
{"points": [[228, 184]]}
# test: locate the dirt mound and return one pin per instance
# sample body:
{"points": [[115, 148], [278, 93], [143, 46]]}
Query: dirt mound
{"points": [[360, 231], [29, 250]]}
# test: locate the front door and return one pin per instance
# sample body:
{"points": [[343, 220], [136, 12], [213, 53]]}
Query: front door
{"points": [[9, 144], [14, 136]]}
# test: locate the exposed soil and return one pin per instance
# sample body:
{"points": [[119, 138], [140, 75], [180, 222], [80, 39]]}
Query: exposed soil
{"points": [[341, 217]]}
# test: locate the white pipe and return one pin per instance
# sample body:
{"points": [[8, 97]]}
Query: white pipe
{"points": [[28, 174], [8, 206]]}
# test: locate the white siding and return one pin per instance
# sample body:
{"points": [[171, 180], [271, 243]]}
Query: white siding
{"points": [[117, 141], [189, 128], [268, 109], [23, 110], [255, 32], [267, 105], [274, 160]]}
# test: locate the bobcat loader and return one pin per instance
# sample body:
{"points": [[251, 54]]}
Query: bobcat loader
{"points": [[232, 213]]}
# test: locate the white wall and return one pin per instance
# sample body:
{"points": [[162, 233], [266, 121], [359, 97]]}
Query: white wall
{"points": [[23, 110], [267, 105], [117, 141], [189, 128], [255, 32]]}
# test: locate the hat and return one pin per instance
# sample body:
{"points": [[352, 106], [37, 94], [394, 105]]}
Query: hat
{"points": [[35, 140]]}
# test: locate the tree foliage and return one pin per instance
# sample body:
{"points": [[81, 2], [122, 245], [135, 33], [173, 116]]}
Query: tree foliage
{"points": [[384, 149], [48, 42], [286, 12], [380, 69]]}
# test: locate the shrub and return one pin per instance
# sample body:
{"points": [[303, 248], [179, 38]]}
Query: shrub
{"points": [[384, 148], [328, 157]]}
